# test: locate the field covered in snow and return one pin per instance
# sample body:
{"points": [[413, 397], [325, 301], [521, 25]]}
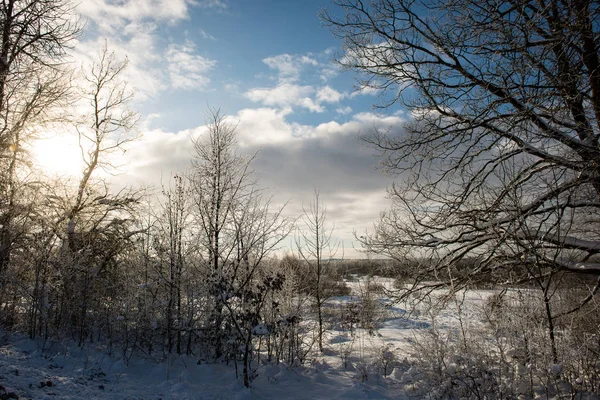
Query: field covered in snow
{"points": [[375, 349], [358, 362]]}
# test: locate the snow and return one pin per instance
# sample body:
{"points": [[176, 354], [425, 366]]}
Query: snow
{"points": [[80, 374], [363, 362], [260, 330], [38, 370], [69, 373], [555, 369]]}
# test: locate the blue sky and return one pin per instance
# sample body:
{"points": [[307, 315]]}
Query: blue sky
{"points": [[269, 66]]}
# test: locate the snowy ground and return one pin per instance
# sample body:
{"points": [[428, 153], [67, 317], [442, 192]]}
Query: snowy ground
{"points": [[351, 367], [85, 374]]}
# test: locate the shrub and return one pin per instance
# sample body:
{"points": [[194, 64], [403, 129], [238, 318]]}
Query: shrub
{"points": [[505, 356]]}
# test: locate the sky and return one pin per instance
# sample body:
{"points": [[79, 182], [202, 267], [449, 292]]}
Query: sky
{"points": [[268, 65]]}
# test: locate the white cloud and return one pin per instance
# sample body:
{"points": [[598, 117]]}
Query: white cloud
{"points": [[206, 35], [232, 87], [344, 110], [289, 66], [145, 122], [292, 95], [147, 82], [131, 29], [327, 73], [364, 90], [158, 154], [263, 126], [188, 70], [259, 126], [329, 95], [377, 120], [219, 4], [111, 15], [288, 92], [310, 105], [285, 95], [292, 160], [256, 127]]}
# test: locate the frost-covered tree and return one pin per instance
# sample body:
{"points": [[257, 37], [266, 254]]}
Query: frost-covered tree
{"points": [[97, 226], [34, 37], [237, 229], [498, 164], [172, 246], [316, 249]]}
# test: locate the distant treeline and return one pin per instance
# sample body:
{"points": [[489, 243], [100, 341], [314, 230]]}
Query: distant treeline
{"points": [[403, 271]]}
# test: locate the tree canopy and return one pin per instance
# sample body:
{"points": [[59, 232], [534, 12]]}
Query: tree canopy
{"points": [[499, 160]]}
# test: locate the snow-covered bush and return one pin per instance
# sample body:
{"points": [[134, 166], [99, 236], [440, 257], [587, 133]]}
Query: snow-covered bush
{"points": [[506, 355], [371, 310], [386, 360]]}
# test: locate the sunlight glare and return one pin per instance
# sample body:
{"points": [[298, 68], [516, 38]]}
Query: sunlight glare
{"points": [[58, 154]]}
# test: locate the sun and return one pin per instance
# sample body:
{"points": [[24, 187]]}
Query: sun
{"points": [[57, 154]]}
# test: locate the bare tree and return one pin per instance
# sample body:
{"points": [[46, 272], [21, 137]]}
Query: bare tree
{"points": [[221, 178], [35, 35], [172, 247], [108, 127], [27, 110], [237, 230], [316, 249], [98, 225], [502, 149]]}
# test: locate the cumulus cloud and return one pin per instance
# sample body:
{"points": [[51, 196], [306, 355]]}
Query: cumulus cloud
{"points": [[344, 110], [291, 161], [328, 157], [288, 92], [146, 81], [111, 15], [263, 126], [328, 73], [159, 154], [289, 66], [286, 95], [364, 90], [131, 29], [188, 70], [327, 94]]}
